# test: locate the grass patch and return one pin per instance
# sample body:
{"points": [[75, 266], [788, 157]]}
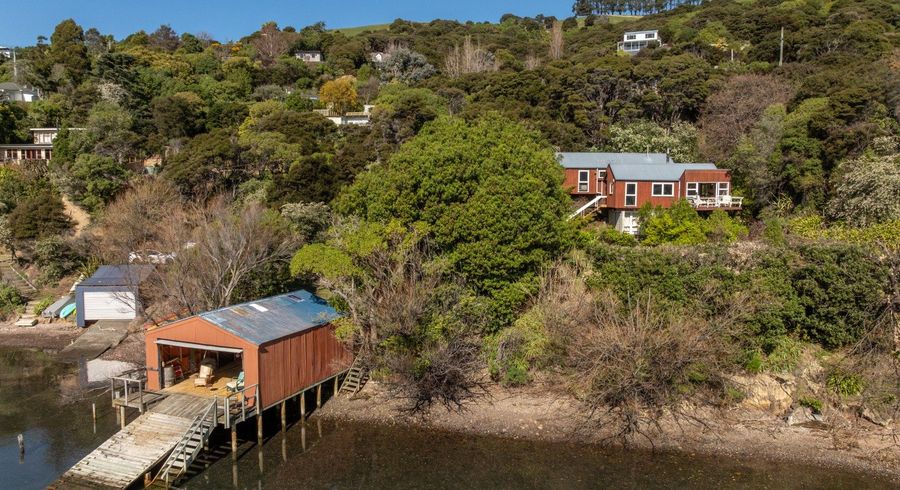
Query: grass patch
{"points": [[355, 31]]}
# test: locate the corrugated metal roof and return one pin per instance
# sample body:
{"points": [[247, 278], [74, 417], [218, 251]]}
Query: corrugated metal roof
{"points": [[269, 319], [603, 160], [666, 172], [118, 275]]}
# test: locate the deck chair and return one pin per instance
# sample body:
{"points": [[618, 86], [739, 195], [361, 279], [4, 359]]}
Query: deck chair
{"points": [[204, 377], [236, 384]]}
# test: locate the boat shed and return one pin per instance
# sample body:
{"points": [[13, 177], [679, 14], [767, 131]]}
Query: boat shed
{"points": [[283, 344], [112, 293]]}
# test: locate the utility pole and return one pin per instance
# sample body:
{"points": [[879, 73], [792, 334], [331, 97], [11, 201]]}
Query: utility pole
{"points": [[15, 68], [781, 49]]}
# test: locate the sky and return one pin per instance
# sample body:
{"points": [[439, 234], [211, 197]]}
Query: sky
{"points": [[232, 19]]}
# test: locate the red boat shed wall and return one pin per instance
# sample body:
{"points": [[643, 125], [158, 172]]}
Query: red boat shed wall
{"points": [[287, 343]]}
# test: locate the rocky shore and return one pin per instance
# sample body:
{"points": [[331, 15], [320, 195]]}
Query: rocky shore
{"points": [[538, 412]]}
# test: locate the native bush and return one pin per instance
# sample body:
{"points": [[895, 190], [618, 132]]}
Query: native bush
{"points": [[10, 300]]}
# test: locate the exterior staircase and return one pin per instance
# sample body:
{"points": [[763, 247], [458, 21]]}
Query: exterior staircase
{"points": [[354, 381], [10, 275], [188, 448]]}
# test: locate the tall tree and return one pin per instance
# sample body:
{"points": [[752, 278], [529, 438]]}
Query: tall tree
{"points": [[67, 49]]}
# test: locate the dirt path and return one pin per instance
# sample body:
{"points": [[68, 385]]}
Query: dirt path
{"points": [[77, 214]]}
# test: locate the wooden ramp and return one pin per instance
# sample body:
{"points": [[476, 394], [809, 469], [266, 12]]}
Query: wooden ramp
{"points": [[133, 451]]}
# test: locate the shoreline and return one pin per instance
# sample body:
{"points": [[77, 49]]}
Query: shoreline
{"points": [[536, 413]]}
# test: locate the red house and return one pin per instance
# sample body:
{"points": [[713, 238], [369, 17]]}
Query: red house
{"points": [[618, 184]]}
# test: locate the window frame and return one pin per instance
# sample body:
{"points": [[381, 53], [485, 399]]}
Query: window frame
{"points": [[663, 193], [586, 182], [692, 189], [632, 195], [723, 186]]}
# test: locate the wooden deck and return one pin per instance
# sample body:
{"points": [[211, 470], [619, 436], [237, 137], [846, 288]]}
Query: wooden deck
{"points": [[221, 377], [133, 451]]}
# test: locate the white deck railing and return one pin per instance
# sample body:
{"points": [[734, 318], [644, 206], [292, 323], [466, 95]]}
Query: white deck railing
{"points": [[728, 201]]}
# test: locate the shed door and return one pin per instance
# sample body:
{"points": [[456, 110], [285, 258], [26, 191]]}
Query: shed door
{"points": [[108, 306]]}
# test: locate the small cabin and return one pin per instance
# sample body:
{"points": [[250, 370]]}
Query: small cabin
{"points": [[283, 345], [634, 41], [112, 293]]}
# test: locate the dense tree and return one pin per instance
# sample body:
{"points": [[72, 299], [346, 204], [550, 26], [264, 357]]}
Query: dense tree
{"points": [[489, 191], [67, 50], [38, 216], [407, 66], [339, 94], [867, 191]]}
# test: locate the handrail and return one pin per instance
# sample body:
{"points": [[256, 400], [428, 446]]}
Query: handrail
{"points": [[590, 203], [239, 399], [195, 428], [128, 378], [21, 276]]}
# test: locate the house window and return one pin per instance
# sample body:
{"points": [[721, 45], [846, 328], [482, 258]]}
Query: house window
{"points": [[663, 189], [722, 189], [629, 37], [692, 189], [583, 180], [649, 36], [631, 194]]}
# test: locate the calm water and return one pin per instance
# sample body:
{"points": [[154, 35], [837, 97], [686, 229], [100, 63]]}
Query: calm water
{"points": [[45, 402]]}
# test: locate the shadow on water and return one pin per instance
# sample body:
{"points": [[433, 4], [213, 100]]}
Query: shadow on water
{"points": [[47, 403]]}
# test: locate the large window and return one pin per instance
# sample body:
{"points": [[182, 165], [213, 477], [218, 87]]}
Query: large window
{"points": [[723, 189], [584, 177], [629, 37], [663, 189], [631, 194], [692, 189]]}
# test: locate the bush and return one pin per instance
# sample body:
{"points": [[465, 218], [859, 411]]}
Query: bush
{"points": [[610, 235], [812, 403], [42, 305], [55, 257], [10, 300], [845, 384], [513, 352], [682, 225], [38, 216], [783, 355]]}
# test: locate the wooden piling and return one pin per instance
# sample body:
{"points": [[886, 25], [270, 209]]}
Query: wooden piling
{"points": [[234, 441], [303, 406], [94, 412], [259, 428], [122, 416], [336, 387], [283, 416], [319, 396], [303, 436]]}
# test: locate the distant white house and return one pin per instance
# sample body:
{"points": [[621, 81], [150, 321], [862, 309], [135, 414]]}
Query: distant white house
{"points": [[13, 92], [634, 41], [378, 57], [5, 52], [349, 119], [309, 56]]}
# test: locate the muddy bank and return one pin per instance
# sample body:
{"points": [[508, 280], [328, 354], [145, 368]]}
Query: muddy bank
{"points": [[43, 336], [537, 413]]}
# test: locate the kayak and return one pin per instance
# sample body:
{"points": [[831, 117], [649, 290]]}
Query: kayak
{"points": [[68, 310]]}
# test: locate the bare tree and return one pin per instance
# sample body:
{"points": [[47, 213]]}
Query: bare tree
{"points": [[218, 250], [270, 43], [469, 58], [556, 41], [532, 62], [731, 111]]}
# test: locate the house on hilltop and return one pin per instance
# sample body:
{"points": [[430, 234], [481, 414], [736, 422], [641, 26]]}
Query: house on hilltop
{"points": [[309, 56], [634, 41], [13, 92], [618, 184]]}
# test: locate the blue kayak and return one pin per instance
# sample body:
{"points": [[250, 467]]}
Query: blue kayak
{"points": [[68, 310]]}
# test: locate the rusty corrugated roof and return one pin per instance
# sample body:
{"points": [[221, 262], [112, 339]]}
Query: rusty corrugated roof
{"points": [[269, 319]]}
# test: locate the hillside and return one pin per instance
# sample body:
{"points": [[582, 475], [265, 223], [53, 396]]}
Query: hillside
{"points": [[438, 221]]}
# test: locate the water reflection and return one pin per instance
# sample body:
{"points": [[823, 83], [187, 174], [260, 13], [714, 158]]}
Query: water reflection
{"points": [[48, 404]]}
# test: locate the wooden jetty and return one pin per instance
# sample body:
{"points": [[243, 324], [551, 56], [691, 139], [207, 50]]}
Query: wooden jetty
{"points": [[264, 353], [143, 444]]}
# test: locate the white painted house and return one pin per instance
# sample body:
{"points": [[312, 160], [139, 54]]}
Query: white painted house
{"points": [[309, 56], [634, 41]]}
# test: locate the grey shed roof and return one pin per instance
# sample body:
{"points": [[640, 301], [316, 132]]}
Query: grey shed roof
{"points": [[269, 319], [604, 160], [118, 275], [665, 172]]}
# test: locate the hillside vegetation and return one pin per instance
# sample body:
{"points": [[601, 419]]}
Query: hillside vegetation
{"points": [[440, 228]]}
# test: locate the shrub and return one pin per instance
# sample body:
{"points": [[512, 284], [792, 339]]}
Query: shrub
{"points": [[610, 235], [55, 257], [845, 384], [42, 305], [10, 300], [782, 355], [514, 351], [812, 403], [38, 216]]}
